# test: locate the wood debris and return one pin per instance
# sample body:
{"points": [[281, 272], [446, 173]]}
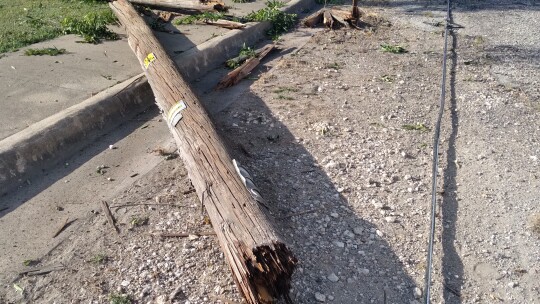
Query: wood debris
{"points": [[335, 18], [109, 215], [66, 224], [242, 71]]}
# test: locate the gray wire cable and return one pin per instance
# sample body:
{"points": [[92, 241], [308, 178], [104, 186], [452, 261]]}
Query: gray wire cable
{"points": [[436, 137]]}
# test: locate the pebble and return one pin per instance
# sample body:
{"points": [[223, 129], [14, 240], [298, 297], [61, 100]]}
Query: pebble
{"points": [[333, 277], [334, 215], [364, 271], [320, 297], [379, 233], [358, 230], [390, 219], [378, 205], [417, 293], [512, 284], [339, 244], [331, 298], [348, 234]]}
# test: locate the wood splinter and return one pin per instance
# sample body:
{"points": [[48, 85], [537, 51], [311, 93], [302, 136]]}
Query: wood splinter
{"points": [[335, 18], [242, 71], [260, 262]]}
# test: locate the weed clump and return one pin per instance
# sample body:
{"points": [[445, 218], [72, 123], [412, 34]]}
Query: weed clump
{"points": [[394, 49], [281, 21], [92, 27], [416, 127], [245, 53]]}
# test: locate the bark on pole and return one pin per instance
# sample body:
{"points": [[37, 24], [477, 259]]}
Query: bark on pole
{"points": [[184, 4], [261, 263]]}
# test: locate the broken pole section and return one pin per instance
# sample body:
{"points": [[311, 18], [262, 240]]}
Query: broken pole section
{"points": [[261, 263], [195, 5]]}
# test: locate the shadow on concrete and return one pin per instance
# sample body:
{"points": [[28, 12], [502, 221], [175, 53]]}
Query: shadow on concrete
{"points": [[56, 170]]}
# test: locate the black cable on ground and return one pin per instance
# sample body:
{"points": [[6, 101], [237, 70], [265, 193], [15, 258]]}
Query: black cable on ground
{"points": [[436, 137]]}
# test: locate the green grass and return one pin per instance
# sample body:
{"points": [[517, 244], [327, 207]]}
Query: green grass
{"points": [[44, 51], [281, 22], [416, 127], [119, 299], [395, 49], [99, 259], [24, 22], [245, 53], [285, 90]]}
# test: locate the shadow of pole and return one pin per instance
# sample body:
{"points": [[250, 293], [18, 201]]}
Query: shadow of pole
{"points": [[452, 266]]}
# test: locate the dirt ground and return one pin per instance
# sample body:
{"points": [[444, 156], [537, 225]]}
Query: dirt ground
{"points": [[338, 136]]}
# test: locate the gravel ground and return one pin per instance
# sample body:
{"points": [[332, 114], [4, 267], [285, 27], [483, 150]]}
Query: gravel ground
{"points": [[338, 135]]}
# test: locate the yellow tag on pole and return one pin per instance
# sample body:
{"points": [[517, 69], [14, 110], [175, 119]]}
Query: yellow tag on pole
{"points": [[151, 57]]}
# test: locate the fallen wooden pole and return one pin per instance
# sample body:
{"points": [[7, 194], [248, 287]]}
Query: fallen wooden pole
{"points": [[261, 263], [194, 5]]}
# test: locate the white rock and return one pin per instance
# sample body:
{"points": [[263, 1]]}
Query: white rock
{"points": [[378, 205], [332, 277], [339, 244], [348, 234], [390, 219], [320, 297], [358, 230], [513, 284], [379, 233], [417, 292], [331, 298], [162, 299], [125, 283], [364, 271], [334, 215]]}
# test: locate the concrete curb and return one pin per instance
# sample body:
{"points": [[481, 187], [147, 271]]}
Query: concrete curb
{"points": [[42, 145]]}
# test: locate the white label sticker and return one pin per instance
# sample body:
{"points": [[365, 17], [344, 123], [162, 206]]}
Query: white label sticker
{"points": [[174, 115]]}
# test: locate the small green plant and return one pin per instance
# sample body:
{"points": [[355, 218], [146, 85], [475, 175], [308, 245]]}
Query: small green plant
{"points": [[394, 49], [45, 51], [281, 21], [416, 127], [92, 27], [280, 96], [245, 53], [99, 259], [206, 16], [387, 78], [138, 221], [29, 262], [285, 90], [119, 299]]}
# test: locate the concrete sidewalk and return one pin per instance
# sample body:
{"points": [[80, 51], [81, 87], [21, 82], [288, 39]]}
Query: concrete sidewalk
{"points": [[52, 105]]}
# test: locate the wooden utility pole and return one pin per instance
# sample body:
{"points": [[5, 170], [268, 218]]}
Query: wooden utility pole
{"points": [[261, 263]]}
